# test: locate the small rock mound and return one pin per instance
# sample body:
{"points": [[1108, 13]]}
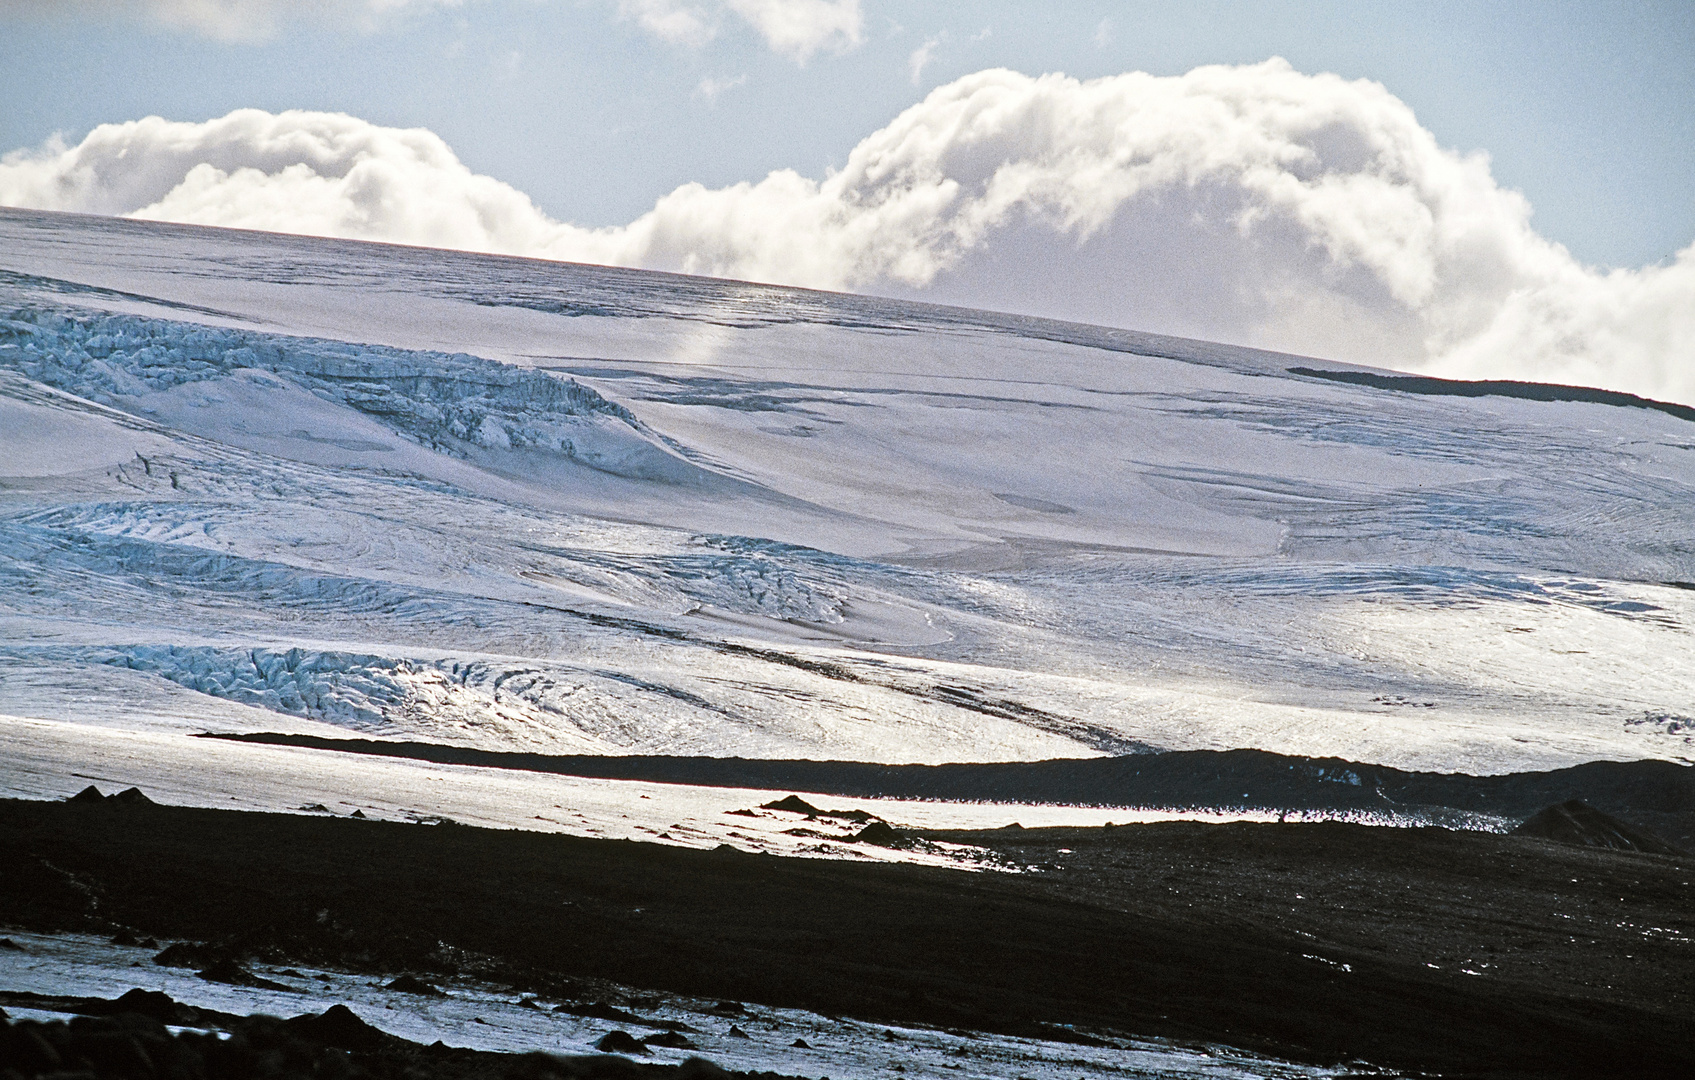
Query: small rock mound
{"points": [[411, 984], [1579, 823], [89, 794], [339, 1027], [794, 804], [880, 833], [700, 1069], [619, 1041], [153, 1004], [674, 1040], [132, 797], [230, 973]]}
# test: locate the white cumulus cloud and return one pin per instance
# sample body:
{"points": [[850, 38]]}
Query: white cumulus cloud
{"points": [[800, 28], [921, 57], [797, 29], [324, 174], [676, 21], [709, 88], [1252, 204]]}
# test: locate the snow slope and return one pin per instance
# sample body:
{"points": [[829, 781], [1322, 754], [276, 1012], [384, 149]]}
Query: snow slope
{"points": [[254, 482]]}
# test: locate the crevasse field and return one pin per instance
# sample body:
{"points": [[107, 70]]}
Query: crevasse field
{"points": [[263, 483]]}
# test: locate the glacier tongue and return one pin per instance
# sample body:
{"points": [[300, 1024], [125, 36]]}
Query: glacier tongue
{"points": [[255, 482], [452, 404]]}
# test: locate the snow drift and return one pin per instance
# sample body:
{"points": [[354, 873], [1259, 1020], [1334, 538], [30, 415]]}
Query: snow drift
{"points": [[251, 482]]}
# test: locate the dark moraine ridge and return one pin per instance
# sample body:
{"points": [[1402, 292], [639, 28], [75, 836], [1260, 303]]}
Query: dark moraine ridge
{"points": [[1655, 795], [1579, 823], [1431, 950], [1527, 391]]}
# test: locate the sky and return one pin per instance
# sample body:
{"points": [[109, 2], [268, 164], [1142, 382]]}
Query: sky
{"points": [[1506, 194]]}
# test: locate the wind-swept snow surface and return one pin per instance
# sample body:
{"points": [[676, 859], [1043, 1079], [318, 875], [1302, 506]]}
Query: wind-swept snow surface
{"points": [[251, 482]]}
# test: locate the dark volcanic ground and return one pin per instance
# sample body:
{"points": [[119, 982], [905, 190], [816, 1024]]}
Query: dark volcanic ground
{"points": [[1584, 922], [1320, 942]]}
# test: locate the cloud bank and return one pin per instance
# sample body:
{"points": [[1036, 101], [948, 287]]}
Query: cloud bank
{"points": [[1252, 204]]}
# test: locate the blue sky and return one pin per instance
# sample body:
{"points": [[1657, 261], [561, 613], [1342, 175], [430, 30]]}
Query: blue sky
{"points": [[1584, 107]]}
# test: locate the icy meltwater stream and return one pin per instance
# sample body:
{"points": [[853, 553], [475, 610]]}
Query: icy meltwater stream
{"points": [[262, 483]]}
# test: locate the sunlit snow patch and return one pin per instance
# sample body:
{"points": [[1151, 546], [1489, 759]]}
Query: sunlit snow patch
{"points": [[486, 1017]]}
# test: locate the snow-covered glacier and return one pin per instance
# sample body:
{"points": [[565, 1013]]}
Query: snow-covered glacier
{"points": [[266, 483]]}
